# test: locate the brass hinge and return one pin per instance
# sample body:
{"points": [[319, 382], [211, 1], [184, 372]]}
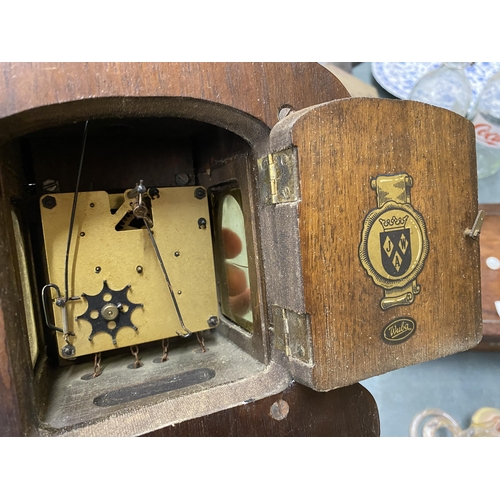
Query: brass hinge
{"points": [[291, 333], [273, 179], [278, 177]]}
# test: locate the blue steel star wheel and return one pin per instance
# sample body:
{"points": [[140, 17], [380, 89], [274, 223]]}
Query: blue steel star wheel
{"points": [[109, 311]]}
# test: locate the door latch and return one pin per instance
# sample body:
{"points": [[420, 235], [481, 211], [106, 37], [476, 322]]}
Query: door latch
{"points": [[476, 227]]}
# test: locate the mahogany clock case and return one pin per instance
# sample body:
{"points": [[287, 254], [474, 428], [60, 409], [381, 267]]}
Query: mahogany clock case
{"points": [[306, 165], [160, 124]]}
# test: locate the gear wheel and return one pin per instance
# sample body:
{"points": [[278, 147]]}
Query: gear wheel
{"points": [[109, 316]]}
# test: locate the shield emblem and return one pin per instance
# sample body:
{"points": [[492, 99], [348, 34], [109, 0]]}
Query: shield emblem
{"points": [[396, 251]]}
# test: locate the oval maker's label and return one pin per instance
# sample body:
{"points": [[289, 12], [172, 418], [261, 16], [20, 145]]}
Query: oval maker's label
{"points": [[399, 330]]}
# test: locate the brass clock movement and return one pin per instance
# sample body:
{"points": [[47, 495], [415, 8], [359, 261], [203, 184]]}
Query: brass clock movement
{"points": [[132, 280]]}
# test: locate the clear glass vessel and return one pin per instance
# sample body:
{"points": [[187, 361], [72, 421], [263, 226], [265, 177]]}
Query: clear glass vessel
{"points": [[447, 87], [486, 121]]}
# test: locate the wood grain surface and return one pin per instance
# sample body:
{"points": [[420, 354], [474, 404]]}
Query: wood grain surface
{"points": [[297, 412], [341, 146], [490, 278], [101, 90]]}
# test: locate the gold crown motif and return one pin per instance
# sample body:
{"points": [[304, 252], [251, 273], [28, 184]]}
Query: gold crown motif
{"points": [[393, 223]]}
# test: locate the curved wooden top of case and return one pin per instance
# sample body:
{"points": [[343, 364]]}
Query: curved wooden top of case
{"points": [[29, 91]]}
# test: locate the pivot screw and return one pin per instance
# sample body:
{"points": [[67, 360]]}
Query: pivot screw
{"points": [[213, 321], [97, 269], [49, 202], [202, 223], [50, 186], [200, 193], [139, 269]]}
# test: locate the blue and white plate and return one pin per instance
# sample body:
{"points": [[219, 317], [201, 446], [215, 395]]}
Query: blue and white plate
{"points": [[399, 78]]}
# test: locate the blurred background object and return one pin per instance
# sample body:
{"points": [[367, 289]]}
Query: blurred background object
{"points": [[485, 423], [486, 119], [355, 86], [398, 78], [446, 87]]}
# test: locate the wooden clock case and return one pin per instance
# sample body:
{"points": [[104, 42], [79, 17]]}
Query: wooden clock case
{"points": [[305, 158]]}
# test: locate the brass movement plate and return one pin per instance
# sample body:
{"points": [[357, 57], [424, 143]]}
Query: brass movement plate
{"points": [[100, 253]]}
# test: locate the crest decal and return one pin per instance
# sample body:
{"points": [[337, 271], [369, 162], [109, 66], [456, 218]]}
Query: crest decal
{"points": [[394, 243]]}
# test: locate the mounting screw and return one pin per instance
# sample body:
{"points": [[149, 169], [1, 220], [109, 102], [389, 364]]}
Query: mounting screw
{"points": [[92, 205], [139, 269], [50, 186], [82, 234], [68, 350], [200, 193], [182, 179], [97, 270], [213, 321], [177, 254], [49, 202], [202, 223]]}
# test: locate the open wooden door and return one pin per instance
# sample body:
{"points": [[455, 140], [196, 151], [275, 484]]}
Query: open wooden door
{"points": [[367, 203]]}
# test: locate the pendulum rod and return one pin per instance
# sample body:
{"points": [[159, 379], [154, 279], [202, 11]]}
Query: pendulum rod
{"points": [[141, 212], [165, 274]]}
